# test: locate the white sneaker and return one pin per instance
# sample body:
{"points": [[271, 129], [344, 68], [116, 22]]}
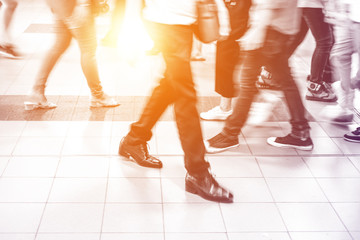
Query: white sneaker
{"points": [[215, 114], [103, 101], [338, 115]]}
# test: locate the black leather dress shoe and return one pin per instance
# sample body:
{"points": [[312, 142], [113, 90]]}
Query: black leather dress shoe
{"points": [[207, 187], [139, 154]]}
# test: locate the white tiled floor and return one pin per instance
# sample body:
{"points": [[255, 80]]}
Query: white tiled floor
{"points": [[63, 180]]}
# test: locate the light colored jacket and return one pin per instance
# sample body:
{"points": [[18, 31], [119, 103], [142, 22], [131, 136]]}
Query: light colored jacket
{"points": [[182, 12]]}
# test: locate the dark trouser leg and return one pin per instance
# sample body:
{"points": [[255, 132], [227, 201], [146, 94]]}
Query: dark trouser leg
{"points": [[228, 51], [250, 70], [274, 52], [174, 41], [323, 35], [227, 54]]}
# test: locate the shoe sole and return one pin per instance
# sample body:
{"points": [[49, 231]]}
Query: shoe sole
{"points": [[7, 55], [104, 106], [214, 119], [212, 150], [280, 145], [320, 99], [339, 123], [190, 187], [351, 140]]}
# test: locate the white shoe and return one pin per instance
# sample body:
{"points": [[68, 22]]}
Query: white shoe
{"points": [[338, 115], [103, 101], [215, 114]]}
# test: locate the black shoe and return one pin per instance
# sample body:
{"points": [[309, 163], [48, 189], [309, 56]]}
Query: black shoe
{"points": [[207, 187], [220, 143], [353, 136], [10, 51], [291, 141], [139, 154]]}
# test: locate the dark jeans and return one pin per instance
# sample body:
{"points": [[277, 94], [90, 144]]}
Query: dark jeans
{"points": [[177, 87], [274, 55], [228, 51], [313, 19]]}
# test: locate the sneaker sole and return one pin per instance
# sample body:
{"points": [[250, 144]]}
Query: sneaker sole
{"points": [[320, 99], [351, 140], [214, 119], [99, 105], [271, 142], [212, 150]]}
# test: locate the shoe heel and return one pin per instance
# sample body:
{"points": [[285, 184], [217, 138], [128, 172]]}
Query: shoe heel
{"points": [[30, 106], [123, 153], [189, 187]]}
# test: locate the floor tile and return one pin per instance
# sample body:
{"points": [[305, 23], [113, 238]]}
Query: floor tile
{"points": [[355, 161], [31, 167], [341, 189], [259, 236], [167, 138], [68, 236], [89, 129], [11, 128], [320, 235], [247, 189], [133, 218], [234, 166], [346, 146], [86, 146], [355, 235], [35, 146], [82, 166], [331, 167], [20, 217], [310, 217], [336, 130], [134, 190], [3, 164], [295, 190], [283, 167], [322, 146], [45, 129], [90, 190], [349, 214], [252, 217], [132, 236], [173, 166], [7, 145], [120, 128], [195, 236], [72, 218], [121, 167], [25, 189], [196, 217], [16, 236]]}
